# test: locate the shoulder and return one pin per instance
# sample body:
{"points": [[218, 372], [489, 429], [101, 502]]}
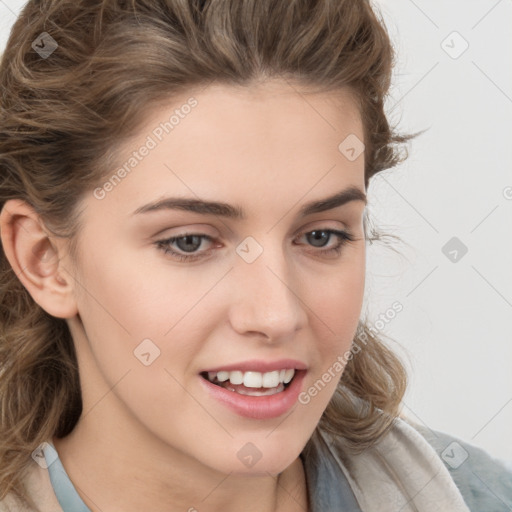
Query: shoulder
{"points": [[484, 482], [38, 486]]}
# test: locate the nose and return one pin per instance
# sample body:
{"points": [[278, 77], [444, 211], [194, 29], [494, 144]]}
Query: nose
{"points": [[266, 300]]}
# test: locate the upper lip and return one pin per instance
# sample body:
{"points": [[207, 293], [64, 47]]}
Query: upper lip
{"points": [[260, 366]]}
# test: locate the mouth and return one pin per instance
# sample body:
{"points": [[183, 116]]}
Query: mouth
{"points": [[252, 383], [263, 395]]}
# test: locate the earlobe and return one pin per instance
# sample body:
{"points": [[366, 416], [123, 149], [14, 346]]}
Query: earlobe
{"points": [[35, 259]]}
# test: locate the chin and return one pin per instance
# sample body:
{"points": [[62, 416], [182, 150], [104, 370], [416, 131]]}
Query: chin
{"points": [[256, 458], [261, 469]]}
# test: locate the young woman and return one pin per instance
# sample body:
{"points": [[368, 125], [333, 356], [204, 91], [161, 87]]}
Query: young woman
{"points": [[183, 227]]}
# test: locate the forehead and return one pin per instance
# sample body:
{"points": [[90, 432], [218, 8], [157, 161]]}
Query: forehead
{"points": [[273, 108], [240, 141]]}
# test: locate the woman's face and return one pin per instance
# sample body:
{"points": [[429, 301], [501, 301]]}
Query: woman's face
{"points": [[264, 290]]}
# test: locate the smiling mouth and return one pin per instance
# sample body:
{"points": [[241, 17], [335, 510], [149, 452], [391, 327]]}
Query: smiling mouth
{"points": [[252, 383]]}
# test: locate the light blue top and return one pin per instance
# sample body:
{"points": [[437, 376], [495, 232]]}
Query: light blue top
{"points": [[65, 491]]}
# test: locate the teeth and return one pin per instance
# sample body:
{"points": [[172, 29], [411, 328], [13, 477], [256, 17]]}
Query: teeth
{"points": [[270, 379], [288, 376], [254, 379], [222, 376], [236, 377]]}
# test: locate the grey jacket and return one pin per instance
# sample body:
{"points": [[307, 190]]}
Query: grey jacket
{"points": [[484, 482]]}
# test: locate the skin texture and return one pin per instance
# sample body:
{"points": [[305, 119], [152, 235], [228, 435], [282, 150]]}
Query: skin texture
{"points": [[269, 148]]}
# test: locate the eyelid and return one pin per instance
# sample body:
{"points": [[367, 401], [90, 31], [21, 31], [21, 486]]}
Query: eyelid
{"points": [[184, 230], [323, 224], [203, 230]]}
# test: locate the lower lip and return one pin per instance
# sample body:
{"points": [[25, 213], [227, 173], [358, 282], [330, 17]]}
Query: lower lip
{"points": [[258, 407]]}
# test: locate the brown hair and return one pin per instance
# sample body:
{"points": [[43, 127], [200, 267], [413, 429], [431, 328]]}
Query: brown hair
{"points": [[63, 116]]}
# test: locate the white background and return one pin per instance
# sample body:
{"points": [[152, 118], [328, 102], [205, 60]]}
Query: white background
{"points": [[455, 325]]}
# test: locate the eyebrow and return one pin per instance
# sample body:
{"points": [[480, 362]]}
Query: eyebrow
{"points": [[237, 213]]}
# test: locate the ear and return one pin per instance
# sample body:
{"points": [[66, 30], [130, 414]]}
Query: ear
{"points": [[37, 259]]}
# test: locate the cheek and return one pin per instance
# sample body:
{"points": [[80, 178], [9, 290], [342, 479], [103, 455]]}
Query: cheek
{"points": [[139, 341], [338, 298], [335, 317], [131, 297], [145, 319]]}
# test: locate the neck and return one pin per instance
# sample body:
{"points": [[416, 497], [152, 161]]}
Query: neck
{"points": [[101, 462]]}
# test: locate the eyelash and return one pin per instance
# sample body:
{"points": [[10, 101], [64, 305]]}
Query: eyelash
{"points": [[163, 245]]}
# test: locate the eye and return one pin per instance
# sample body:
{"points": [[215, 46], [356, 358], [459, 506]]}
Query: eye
{"points": [[190, 242], [319, 236]]}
